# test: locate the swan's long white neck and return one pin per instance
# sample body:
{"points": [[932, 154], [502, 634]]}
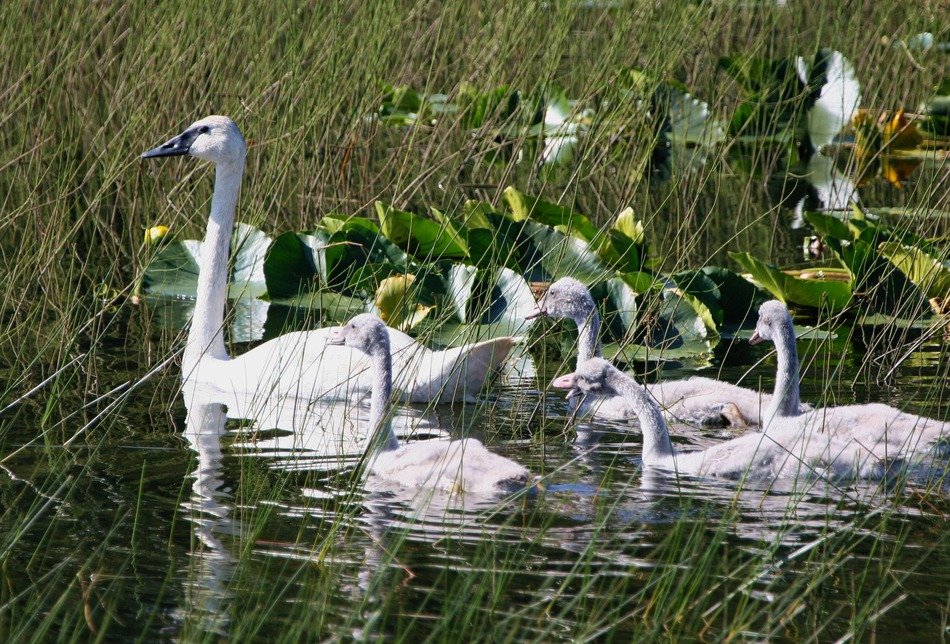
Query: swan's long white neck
{"points": [[588, 331], [206, 337], [786, 400], [382, 436], [656, 437]]}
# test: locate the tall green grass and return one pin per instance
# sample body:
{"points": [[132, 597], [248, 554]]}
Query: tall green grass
{"points": [[95, 543]]}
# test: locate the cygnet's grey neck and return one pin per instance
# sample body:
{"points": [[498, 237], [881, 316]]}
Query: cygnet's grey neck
{"points": [[588, 333], [382, 436], [206, 337], [786, 400], [656, 436]]}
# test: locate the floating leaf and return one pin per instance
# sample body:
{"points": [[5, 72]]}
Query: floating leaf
{"points": [[421, 237], [629, 241], [331, 307], [397, 303], [815, 293], [290, 267], [740, 299], [173, 271], [561, 255], [930, 274], [501, 313]]}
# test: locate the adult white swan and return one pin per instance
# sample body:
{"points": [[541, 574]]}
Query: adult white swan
{"points": [[863, 441], [298, 364], [694, 399], [451, 466]]}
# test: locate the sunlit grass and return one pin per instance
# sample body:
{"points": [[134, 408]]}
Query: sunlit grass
{"points": [[96, 479]]}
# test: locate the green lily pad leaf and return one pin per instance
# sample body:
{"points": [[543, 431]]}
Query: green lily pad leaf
{"points": [[245, 321], [497, 306], [291, 265], [704, 296], [561, 255], [740, 299], [487, 297], [248, 250], [814, 293], [460, 280], [453, 334], [173, 271], [920, 323], [330, 306], [628, 240], [698, 353], [625, 303], [801, 333], [525, 208], [930, 274], [423, 238], [664, 317], [365, 279], [397, 303], [354, 243], [854, 244], [476, 215]]}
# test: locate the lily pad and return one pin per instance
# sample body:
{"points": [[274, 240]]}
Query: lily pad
{"points": [[173, 271], [397, 303], [740, 299], [561, 255], [522, 207], [421, 237], [814, 293], [930, 274], [629, 241], [291, 266]]}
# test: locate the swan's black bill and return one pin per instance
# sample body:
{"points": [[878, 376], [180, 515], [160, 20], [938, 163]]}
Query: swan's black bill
{"points": [[756, 338], [174, 147]]}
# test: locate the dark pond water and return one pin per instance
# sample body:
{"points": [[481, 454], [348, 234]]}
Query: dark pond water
{"points": [[186, 524]]}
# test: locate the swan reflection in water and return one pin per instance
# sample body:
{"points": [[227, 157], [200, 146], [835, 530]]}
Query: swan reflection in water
{"points": [[598, 505], [209, 510], [293, 435]]}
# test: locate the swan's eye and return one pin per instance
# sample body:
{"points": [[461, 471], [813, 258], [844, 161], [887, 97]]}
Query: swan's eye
{"points": [[204, 129]]}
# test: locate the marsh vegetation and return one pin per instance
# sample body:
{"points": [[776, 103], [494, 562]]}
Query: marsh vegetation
{"points": [[441, 165]]}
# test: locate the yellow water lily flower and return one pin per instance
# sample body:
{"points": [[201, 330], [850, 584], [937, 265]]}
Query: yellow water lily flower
{"points": [[155, 234]]}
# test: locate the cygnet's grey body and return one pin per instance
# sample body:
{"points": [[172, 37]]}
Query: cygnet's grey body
{"points": [[697, 399], [451, 466], [854, 441]]}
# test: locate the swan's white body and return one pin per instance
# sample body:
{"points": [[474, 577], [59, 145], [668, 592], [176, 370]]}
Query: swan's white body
{"points": [[464, 466], [856, 441], [298, 364], [302, 365], [693, 400]]}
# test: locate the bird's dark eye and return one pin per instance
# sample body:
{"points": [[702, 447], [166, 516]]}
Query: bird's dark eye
{"points": [[204, 129]]}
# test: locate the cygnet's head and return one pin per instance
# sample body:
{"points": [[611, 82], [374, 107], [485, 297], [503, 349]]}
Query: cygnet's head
{"points": [[565, 298], [365, 332], [213, 138], [596, 377], [773, 319]]}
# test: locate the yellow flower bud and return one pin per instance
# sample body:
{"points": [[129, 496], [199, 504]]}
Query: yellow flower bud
{"points": [[155, 234]]}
